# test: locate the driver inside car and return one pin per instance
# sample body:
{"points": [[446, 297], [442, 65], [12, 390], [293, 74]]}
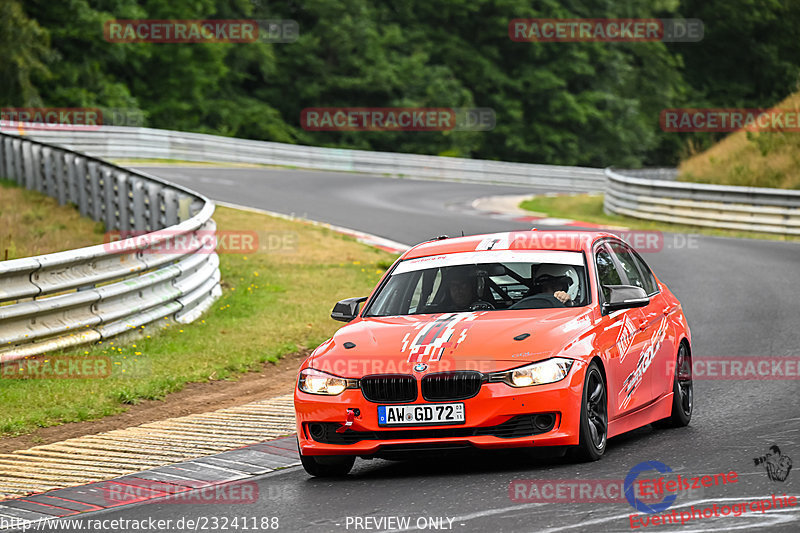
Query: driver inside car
{"points": [[556, 286], [463, 286], [461, 291], [551, 279]]}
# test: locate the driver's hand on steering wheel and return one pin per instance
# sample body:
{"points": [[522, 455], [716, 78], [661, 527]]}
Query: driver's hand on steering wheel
{"points": [[562, 296], [480, 305]]}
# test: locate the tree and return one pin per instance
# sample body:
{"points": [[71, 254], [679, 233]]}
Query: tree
{"points": [[25, 50]]}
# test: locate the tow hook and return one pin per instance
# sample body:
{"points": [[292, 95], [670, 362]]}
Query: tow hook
{"points": [[351, 416]]}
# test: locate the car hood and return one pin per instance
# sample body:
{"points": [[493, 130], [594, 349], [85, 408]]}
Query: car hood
{"points": [[487, 341]]}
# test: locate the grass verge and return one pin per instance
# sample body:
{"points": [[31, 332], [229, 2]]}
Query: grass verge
{"points": [[589, 208], [34, 224], [273, 303], [754, 159]]}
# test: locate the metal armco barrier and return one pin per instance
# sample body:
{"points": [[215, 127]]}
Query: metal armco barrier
{"points": [[145, 143], [170, 269], [697, 204]]}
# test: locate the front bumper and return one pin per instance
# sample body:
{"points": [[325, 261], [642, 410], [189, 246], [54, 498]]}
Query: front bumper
{"points": [[497, 405]]}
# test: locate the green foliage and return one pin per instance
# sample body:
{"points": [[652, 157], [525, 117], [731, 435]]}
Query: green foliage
{"points": [[24, 49], [566, 103]]}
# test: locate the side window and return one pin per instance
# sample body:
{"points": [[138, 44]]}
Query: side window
{"points": [[650, 284], [638, 274], [426, 287], [628, 265], [606, 271], [415, 296]]}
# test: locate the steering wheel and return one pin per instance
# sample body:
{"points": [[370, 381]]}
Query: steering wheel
{"points": [[480, 305], [538, 301]]}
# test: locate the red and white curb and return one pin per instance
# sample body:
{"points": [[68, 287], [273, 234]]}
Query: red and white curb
{"points": [[217, 479], [507, 207]]}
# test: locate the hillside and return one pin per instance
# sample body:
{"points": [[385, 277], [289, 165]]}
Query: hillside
{"points": [[767, 159]]}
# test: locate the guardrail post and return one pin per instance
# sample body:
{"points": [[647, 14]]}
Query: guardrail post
{"points": [[25, 166], [82, 183], [153, 201], [48, 177], [122, 222], [170, 207], [138, 211], [60, 176], [36, 168], [95, 198], [72, 179], [109, 206], [3, 157]]}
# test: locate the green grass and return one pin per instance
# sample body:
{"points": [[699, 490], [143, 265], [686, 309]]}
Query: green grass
{"points": [[589, 208], [272, 304], [33, 224], [753, 159]]}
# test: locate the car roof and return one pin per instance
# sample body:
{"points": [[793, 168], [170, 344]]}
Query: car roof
{"points": [[562, 240]]}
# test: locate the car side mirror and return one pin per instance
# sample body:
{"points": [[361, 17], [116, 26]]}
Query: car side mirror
{"points": [[347, 310], [624, 297]]}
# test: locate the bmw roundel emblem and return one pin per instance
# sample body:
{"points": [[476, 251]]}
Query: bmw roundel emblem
{"points": [[420, 367]]}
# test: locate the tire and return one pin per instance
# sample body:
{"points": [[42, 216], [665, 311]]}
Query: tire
{"points": [[593, 435], [682, 393], [326, 465]]}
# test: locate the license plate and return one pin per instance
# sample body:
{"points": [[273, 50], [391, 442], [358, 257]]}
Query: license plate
{"points": [[421, 414]]}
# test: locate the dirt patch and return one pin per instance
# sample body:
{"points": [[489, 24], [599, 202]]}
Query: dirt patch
{"points": [[272, 380]]}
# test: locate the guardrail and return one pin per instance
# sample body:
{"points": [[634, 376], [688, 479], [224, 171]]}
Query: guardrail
{"points": [[64, 299], [145, 143], [696, 204]]}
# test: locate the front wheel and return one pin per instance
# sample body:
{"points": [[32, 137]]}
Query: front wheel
{"points": [[682, 393], [327, 465], [594, 418]]}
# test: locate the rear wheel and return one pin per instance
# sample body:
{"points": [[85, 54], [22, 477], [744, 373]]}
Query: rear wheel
{"points": [[682, 393], [594, 418]]}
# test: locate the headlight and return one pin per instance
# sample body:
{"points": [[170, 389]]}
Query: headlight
{"points": [[317, 382], [548, 371]]}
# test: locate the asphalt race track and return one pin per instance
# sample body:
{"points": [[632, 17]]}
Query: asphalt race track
{"points": [[740, 296]]}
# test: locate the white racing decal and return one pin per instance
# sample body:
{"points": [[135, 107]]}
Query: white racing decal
{"points": [[434, 337], [632, 382], [625, 337], [489, 256], [498, 241]]}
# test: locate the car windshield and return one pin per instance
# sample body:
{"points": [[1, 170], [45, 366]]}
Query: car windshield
{"points": [[478, 281]]}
